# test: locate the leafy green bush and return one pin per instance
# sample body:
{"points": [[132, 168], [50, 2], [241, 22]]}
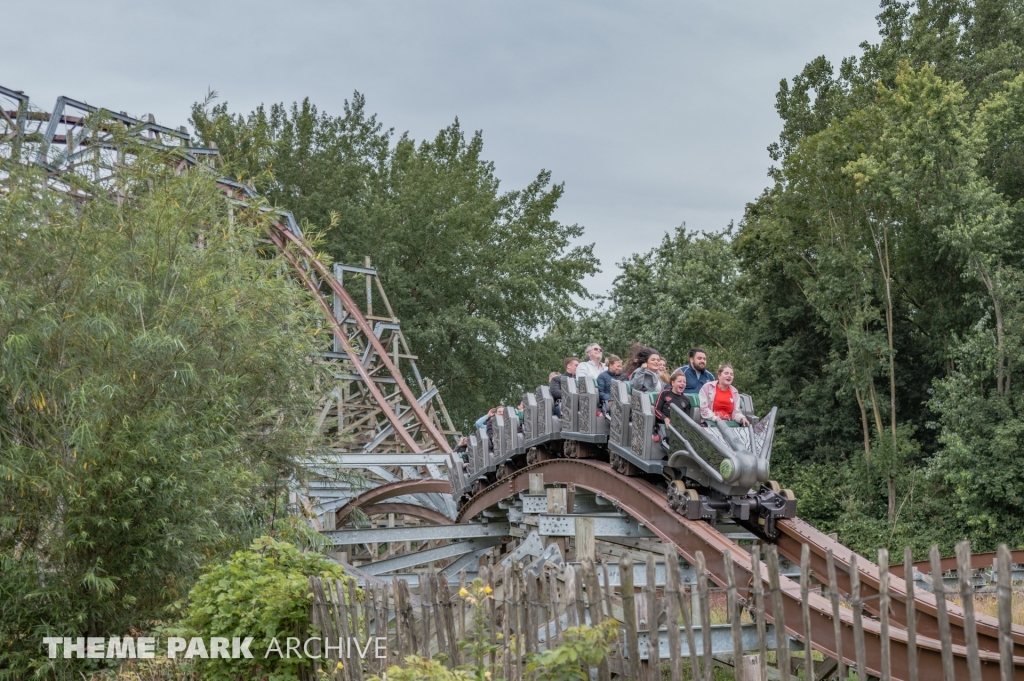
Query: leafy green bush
{"points": [[583, 645], [264, 593], [155, 386]]}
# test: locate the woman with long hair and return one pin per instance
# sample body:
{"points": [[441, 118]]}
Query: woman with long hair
{"points": [[720, 400], [638, 357], [645, 378]]}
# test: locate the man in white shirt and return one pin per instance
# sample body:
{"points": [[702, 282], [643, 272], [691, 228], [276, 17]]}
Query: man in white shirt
{"points": [[593, 367]]}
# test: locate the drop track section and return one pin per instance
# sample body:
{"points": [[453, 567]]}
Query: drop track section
{"points": [[647, 503]]}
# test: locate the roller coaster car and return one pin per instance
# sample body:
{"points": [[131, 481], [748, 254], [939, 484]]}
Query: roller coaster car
{"points": [[716, 468], [712, 470]]}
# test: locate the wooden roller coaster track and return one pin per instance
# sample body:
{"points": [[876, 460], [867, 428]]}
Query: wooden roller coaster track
{"points": [[647, 503]]}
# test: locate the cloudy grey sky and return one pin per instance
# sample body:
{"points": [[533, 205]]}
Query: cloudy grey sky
{"points": [[652, 113]]}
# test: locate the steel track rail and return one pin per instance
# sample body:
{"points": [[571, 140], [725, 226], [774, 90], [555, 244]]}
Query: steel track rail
{"points": [[647, 503], [978, 561], [394, 489], [423, 513], [364, 326], [277, 235], [796, 532]]}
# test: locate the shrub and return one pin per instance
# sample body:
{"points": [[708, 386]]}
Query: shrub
{"points": [[264, 593]]}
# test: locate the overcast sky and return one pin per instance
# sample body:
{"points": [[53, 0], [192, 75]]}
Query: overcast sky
{"points": [[652, 113]]}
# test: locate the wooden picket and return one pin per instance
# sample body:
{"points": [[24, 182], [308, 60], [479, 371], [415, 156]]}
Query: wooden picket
{"points": [[531, 611]]}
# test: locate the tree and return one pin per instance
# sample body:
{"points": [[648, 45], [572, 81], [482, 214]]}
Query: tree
{"points": [[885, 232], [474, 273], [154, 376]]}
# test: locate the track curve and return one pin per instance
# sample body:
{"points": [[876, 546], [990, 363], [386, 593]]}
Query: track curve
{"points": [[647, 503], [422, 512], [392, 490], [978, 561]]}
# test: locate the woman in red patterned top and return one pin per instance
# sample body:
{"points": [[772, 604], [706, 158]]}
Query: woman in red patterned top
{"points": [[720, 401]]}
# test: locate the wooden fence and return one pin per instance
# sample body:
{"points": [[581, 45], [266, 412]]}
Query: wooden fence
{"points": [[528, 611]]}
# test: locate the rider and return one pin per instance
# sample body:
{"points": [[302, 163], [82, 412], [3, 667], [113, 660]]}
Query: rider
{"points": [[593, 366], [604, 381], [720, 401], [555, 385], [673, 394], [696, 371], [645, 378]]}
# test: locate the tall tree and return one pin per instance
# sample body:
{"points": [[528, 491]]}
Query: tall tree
{"points": [[475, 274]]}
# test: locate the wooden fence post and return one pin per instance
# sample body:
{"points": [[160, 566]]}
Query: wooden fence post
{"points": [[629, 615], [1004, 595], [506, 621], [594, 599], [555, 601], [572, 611], [400, 635], [883, 611], [781, 643], [425, 613], [408, 617], [531, 614], [449, 620], [733, 605], [833, 592], [963, 564], [762, 633], [650, 589], [705, 616], [858, 621], [939, 589], [672, 613], [908, 577]]}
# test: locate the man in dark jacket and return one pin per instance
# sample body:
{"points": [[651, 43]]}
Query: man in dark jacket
{"points": [[555, 385], [696, 371]]}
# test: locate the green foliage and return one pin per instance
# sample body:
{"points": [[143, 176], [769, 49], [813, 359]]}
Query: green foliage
{"points": [[154, 375], [583, 645], [873, 291], [415, 668], [982, 434], [680, 294], [473, 273], [887, 234], [262, 592]]}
